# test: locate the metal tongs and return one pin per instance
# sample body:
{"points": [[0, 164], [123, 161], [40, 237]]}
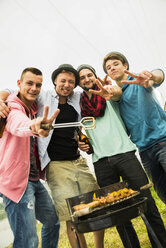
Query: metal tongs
{"points": [[86, 122]]}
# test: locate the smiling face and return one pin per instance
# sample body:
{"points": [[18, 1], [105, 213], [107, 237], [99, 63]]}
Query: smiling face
{"points": [[87, 79], [30, 86], [115, 69], [65, 83]]}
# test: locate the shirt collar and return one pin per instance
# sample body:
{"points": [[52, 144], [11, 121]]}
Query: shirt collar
{"points": [[126, 85]]}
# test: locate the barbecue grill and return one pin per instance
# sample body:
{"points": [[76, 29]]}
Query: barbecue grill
{"points": [[108, 215]]}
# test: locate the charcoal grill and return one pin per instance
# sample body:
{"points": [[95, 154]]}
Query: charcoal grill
{"points": [[109, 215]]}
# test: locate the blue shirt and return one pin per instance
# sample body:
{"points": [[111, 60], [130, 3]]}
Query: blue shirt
{"points": [[144, 118]]}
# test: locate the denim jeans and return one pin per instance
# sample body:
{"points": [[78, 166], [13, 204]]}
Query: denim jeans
{"points": [[34, 204], [154, 162], [109, 170]]}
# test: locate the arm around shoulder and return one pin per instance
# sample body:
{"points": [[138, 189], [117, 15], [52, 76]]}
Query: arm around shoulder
{"points": [[3, 95], [4, 109]]}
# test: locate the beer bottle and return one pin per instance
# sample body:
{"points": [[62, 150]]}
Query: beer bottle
{"points": [[2, 125], [84, 138]]}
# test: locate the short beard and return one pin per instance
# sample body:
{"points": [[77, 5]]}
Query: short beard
{"points": [[87, 89]]}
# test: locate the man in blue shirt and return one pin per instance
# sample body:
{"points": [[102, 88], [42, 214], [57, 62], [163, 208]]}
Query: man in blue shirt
{"points": [[143, 116]]}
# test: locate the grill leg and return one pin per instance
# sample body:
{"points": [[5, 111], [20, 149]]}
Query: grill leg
{"points": [[155, 239], [77, 239], [126, 241]]}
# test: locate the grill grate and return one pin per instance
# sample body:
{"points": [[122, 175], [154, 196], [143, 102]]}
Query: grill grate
{"points": [[88, 197], [107, 215]]}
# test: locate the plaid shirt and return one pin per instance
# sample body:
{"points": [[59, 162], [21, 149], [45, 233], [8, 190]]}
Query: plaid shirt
{"points": [[92, 107]]}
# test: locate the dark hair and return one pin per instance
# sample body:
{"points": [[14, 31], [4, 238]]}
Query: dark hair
{"points": [[31, 69]]}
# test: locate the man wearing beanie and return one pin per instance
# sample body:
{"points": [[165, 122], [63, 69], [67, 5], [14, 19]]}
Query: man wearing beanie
{"points": [[143, 116], [67, 172], [114, 153]]}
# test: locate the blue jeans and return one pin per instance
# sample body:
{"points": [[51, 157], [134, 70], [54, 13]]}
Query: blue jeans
{"points": [[154, 162], [108, 171], [34, 204]]}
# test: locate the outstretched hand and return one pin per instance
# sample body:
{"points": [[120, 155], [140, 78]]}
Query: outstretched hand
{"points": [[105, 88], [105, 81], [144, 79], [36, 123]]}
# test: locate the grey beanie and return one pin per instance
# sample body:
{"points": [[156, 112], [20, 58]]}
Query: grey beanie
{"points": [[85, 66], [112, 55]]}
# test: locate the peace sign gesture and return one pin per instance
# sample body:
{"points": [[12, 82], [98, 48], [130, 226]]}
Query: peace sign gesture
{"points": [[105, 81], [107, 91], [36, 123], [144, 79]]}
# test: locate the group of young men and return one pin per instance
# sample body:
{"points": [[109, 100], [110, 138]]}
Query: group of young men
{"points": [[125, 114]]}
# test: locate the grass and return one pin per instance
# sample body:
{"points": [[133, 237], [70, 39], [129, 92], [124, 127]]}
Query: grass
{"points": [[111, 237], [2, 212]]}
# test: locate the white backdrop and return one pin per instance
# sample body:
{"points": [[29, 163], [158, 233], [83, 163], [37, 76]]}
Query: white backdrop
{"points": [[47, 33]]}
